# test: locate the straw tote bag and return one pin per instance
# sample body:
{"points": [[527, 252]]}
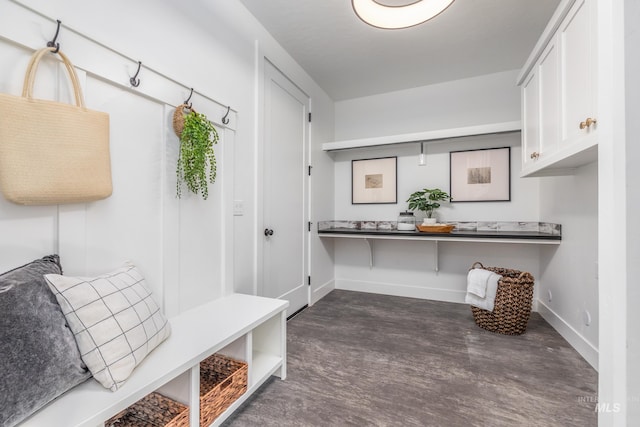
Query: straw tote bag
{"points": [[52, 153]]}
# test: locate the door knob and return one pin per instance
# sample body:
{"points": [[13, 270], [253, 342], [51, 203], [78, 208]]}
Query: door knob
{"points": [[268, 232], [588, 123], [535, 155]]}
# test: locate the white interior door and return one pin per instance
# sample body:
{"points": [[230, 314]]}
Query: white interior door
{"points": [[285, 191]]}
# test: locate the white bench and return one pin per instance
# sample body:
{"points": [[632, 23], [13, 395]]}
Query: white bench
{"points": [[244, 327]]}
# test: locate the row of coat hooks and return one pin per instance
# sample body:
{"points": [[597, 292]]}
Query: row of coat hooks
{"points": [[134, 81], [225, 120]]}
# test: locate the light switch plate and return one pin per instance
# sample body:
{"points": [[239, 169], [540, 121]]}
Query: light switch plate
{"points": [[238, 207]]}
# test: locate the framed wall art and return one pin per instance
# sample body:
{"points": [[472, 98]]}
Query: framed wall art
{"points": [[374, 181], [480, 175]]}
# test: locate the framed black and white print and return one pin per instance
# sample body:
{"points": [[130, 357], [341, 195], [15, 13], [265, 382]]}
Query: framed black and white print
{"points": [[480, 175], [374, 181]]}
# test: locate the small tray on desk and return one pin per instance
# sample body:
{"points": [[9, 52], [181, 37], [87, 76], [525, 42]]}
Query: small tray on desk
{"points": [[437, 228]]}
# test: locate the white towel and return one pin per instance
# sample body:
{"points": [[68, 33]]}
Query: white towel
{"points": [[477, 281], [490, 286]]}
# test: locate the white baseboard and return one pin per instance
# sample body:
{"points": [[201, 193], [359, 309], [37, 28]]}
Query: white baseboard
{"points": [[401, 290], [573, 337], [321, 291]]}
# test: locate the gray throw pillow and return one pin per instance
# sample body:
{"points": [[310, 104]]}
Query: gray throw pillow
{"points": [[39, 357]]}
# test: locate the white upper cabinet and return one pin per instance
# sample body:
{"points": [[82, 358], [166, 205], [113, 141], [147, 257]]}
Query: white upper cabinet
{"points": [[540, 110], [578, 68], [549, 76], [530, 121], [558, 86]]}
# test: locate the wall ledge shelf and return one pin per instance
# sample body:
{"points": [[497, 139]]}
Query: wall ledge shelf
{"points": [[432, 136], [495, 237], [546, 234]]}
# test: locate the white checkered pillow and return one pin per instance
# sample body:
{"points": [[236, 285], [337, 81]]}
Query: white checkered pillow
{"points": [[114, 319]]}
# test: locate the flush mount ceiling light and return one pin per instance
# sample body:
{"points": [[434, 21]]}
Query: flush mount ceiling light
{"points": [[393, 17]]}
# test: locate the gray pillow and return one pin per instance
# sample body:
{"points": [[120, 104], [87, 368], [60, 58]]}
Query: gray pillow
{"points": [[39, 358]]}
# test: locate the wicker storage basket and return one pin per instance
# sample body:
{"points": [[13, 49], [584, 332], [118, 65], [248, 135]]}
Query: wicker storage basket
{"points": [[153, 410], [222, 381], [512, 306]]}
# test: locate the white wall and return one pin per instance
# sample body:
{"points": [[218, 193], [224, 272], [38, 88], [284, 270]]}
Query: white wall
{"points": [[616, 172], [214, 48], [570, 201], [492, 98], [407, 268], [234, 25], [322, 206], [412, 177], [570, 271], [479, 100], [404, 267], [174, 242], [632, 86]]}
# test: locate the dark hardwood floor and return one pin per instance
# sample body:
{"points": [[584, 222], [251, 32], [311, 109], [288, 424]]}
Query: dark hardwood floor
{"points": [[357, 359]]}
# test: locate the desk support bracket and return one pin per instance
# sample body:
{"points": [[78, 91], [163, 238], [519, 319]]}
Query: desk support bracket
{"points": [[370, 246], [436, 268]]}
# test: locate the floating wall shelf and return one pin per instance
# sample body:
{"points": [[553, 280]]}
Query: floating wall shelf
{"points": [[427, 136]]}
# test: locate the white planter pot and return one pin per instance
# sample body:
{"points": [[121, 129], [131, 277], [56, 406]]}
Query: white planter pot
{"points": [[429, 221]]}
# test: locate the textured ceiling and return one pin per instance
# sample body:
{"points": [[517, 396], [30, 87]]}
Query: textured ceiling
{"points": [[350, 59]]}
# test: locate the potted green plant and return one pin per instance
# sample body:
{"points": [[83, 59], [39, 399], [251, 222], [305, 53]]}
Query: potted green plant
{"points": [[427, 200], [196, 159]]}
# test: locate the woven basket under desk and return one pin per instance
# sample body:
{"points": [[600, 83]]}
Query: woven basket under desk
{"points": [[512, 307], [222, 381]]}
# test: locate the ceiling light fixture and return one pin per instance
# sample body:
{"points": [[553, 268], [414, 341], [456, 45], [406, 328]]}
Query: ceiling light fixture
{"points": [[394, 17]]}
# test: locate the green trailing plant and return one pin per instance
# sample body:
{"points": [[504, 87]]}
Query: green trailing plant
{"points": [[427, 200], [196, 159]]}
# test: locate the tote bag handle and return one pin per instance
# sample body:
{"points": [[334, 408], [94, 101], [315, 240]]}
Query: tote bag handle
{"points": [[30, 75]]}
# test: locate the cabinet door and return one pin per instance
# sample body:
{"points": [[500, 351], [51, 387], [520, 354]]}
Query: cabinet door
{"points": [[548, 79], [531, 120], [577, 48]]}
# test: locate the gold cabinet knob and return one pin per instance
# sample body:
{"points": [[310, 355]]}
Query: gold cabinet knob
{"points": [[535, 155], [588, 122]]}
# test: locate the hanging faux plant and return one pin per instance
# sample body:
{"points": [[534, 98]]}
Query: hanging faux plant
{"points": [[196, 159]]}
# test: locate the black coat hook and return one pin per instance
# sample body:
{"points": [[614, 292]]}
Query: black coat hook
{"points": [[53, 43], [135, 81], [189, 98], [225, 120]]}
